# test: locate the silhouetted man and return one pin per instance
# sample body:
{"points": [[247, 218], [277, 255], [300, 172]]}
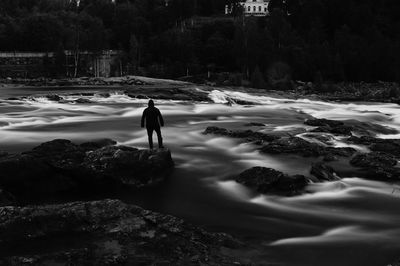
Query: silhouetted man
{"points": [[153, 119]]}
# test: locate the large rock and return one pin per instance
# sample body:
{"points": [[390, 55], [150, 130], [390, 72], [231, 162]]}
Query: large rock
{"points": [[106, 232], [267, 180], [60, 166]]}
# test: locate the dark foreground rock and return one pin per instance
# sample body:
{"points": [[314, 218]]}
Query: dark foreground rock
{"points": [[60, 166], [267, 180], [106, 232]]}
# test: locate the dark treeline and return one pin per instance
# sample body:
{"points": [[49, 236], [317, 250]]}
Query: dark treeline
{"points": [[331, 40]]}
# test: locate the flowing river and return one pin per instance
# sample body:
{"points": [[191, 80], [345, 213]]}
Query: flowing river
{"points": [[348, 222]]}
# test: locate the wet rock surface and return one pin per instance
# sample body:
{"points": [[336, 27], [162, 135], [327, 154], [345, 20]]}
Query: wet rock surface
{"points": [[60, 166], [347, 128], [323, 172], [248, 135], [377, 165], [390, 146], [106, 232], [267, 180], [296, 145], [374, 159], [331, 126], [380, 164]]}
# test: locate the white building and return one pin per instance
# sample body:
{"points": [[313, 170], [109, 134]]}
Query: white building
{"points": [[256, 8]]}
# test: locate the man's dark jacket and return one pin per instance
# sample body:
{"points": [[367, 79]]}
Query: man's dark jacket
{"points": [[153, 118]]}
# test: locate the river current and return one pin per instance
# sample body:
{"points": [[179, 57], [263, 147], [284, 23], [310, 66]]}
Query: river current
{"points": [[348, 222]]}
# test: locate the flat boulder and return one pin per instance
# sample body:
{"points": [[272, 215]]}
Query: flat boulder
{"points": [[107, 232]]}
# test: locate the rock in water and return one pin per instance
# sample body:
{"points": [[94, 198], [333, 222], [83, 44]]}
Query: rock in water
{"points": [[374, 159], [324, 172], [62, 166], [377, 165], [106, 232], [267, 180], [248, 135]]}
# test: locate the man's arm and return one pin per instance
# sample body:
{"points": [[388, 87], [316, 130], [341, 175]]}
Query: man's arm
{"points": [[161, 118], [143, 118]]}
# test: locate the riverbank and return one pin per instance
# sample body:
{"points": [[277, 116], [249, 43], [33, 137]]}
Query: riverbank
{"points": [[386, 92]]}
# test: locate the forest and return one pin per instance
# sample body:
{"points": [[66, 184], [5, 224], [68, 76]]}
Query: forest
{"points": [[313, 40]]}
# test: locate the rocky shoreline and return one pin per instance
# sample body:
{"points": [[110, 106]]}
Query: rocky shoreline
{"points": [[380, 163], [101, 232]]}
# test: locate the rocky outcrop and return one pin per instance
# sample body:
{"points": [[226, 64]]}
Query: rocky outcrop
{"points": [[106, 232], [248, 135], [61, 166], [267, 180]]}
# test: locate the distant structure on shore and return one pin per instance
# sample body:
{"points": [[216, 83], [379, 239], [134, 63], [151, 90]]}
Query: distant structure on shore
{"points": [[257, 8], [70, 63]]}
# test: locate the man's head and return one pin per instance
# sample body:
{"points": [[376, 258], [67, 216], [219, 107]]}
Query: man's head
{"points": [[151, 103]]}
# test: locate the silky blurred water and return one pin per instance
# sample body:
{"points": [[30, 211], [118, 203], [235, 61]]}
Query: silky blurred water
{"points": [[347, 222]]}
